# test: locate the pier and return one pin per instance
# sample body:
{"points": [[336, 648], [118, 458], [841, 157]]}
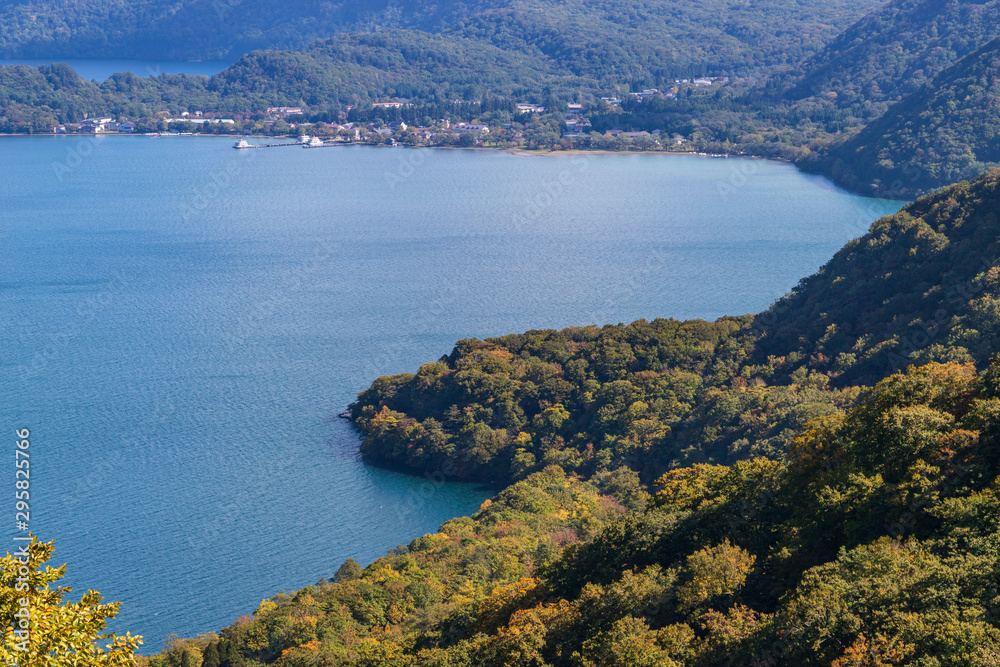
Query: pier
{"points": [[243, 143]]}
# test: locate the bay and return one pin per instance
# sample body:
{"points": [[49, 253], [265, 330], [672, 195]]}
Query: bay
{"points": [[182, 322]]}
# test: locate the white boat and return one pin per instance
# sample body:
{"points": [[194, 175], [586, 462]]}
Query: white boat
{"points": [[242, 143]]}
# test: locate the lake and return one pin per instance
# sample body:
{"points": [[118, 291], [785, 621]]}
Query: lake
{"points": [[182, 322], [99, 70]]}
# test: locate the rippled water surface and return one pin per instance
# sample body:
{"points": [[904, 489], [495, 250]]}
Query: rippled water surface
{"points": [[181, 322]]}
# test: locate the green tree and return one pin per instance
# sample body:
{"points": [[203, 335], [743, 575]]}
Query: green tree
{"points": [[229, 656], [59, 633], [210, 656], [348, 571], [714, 572]]}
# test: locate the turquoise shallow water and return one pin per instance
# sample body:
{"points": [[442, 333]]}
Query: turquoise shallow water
{"points": [[182, 322]]}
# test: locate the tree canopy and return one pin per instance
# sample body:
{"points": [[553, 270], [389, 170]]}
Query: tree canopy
{"points": [[60, 633]]}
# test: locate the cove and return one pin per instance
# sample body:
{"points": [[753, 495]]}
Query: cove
{"points": [[182, 322]]}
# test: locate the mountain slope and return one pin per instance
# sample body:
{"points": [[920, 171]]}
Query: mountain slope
{"points": [[344, 70], [618, 40], [921, 286], [895, 50], [353, 67], [944, 132]]}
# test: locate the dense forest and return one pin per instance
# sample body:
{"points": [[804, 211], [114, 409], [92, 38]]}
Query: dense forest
{"points": [[865, 534], [603, 39], [944, 132], [893, 52], [412, 65], [919, 287], [917, 78], [440, 78], [333, 74]]}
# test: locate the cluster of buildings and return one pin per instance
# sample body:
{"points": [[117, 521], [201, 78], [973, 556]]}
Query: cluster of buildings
{"points": [[627, 135], [107, 124], [647, 93], [444, 129], [524, 107], [577, 124], [93, 126], [197, 117], [705, 81]]}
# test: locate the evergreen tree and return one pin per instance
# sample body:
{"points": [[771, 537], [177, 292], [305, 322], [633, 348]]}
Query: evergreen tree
{"points": [[210, 657], [229, 656], [225, 649]]}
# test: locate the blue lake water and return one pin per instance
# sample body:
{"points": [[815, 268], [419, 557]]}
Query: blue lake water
{"points": [[183, 321], [100, 70]]}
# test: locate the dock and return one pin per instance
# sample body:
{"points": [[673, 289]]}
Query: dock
{"points": [[243, 143]]}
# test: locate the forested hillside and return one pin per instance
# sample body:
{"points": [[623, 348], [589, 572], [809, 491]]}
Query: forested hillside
{"points": [[868, 535], [839, 556], [334, 73], [893, 52], [817, 485], [919, 287], [606, 40], [916, 77], [944, 132], [399, 63]]}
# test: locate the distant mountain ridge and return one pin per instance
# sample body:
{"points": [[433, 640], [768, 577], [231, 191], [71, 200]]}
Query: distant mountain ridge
{"points": [[605, 38], [894, 102]]}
